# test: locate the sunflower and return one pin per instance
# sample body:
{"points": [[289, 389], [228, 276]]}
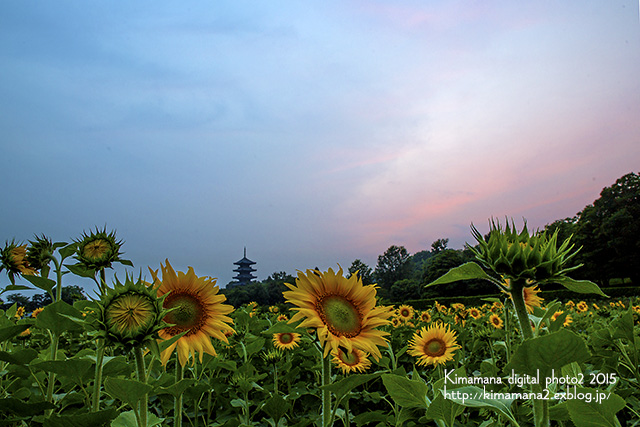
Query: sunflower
{"points": [[496, 321], [395, 321], [354, 361], [405, 313], [97, 250], [13, 258], [19, 312], [582, 306], [567, 321], [37, 311], [197, 309], [531, 298], [282, 318], [286, 340], [433, 345], [342, 310], [475, 313], [425, 317]]}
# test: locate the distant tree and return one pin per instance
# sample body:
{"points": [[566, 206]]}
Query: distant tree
{"points": [[439, 245], [392, 266], [364, 271], [405, 289], [608, 232], [441, 263], [20, 299]]}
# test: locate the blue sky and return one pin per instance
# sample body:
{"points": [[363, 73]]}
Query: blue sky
{"points": [[313, 133]]}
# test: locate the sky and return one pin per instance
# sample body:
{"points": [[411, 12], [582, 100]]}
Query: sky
{"points": [[311, 133]]}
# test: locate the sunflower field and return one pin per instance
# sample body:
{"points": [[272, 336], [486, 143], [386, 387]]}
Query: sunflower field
{"points": [[170, 350]]}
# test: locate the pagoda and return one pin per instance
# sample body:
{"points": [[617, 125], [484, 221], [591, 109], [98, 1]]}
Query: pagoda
{"points": [[244, 270]]}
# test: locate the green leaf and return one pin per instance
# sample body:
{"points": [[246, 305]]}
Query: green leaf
{"points": [[43, 283], [68, 250], [467, 271], [178, 388], [71, 368], [129, 391], [593, 408], [444, 409], [406, 392], [282, 327], [255, 346], [15, 406], [543, 355], [622, 327], [97, 419], [475, 397], [9, 332], [81, 270], [125, 262], [276, 406], [128, 419], [579, 286], [9, 288], [50, 318], [20, 357], [344, 386]]}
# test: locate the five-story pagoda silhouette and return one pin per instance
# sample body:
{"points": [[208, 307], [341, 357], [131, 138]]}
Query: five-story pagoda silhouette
{"points": [[244, 270]]}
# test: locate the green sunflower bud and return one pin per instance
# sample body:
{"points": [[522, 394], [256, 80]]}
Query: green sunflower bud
{"points": [[522, 256], [97, 250], [130, 314], [39, 252]]}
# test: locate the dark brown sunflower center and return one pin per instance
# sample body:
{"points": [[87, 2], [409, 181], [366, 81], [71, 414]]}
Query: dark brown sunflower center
{"points": [[435, 347], [350, 359], [340, 315], [286, 338], [404, 313], [188, 313]]}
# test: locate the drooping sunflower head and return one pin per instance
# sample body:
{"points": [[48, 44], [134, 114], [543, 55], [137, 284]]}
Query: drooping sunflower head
{"points": [[129, 314], [531, 298], [13, 258], [342, 310], [520, 255], [405, 312], [196, 309], [496, 321], [39, 252], [433, 345], [99, 249], [353, 361], [286, 340]]}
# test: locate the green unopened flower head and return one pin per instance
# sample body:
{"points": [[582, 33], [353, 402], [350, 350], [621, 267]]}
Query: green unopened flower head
{"points": [[39, 252], [98, 249], [130, 314], [522, 256]]}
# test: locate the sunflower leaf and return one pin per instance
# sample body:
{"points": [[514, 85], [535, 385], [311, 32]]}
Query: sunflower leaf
{"points": [[345, 385], [467, 271], [405, 392], [579, 286], [11, 331], [129, 391]]}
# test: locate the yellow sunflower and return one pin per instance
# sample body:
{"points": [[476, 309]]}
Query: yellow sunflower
{"points": [[13, 258], [19, 312], [197, 309], [37, 311], [282, 318], [342, 310], [405, 313], [355, 361], [582, 306], [425, 316], [395, 321], [496, 321], [475, 313], [286, 340], [433, 345]]}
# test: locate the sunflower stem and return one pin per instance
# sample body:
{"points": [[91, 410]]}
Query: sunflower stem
{"points": [[326, 393], [540, 407], [177, 406], [103, 282], [142, 377], [97, 383]]}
